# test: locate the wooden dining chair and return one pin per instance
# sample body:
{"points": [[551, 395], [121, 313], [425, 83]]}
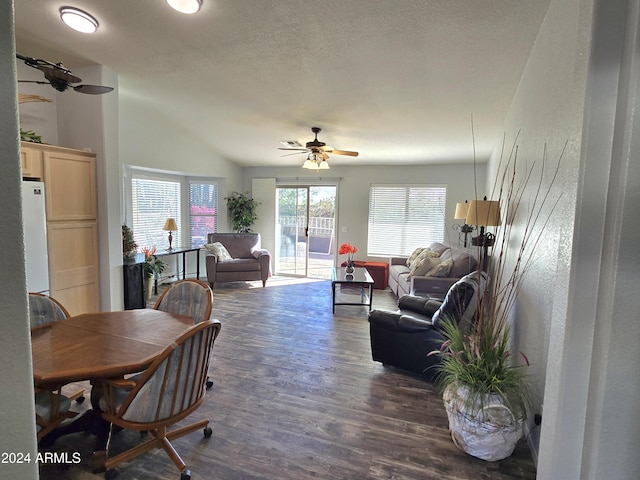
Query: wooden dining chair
{"points": [[168, 391], [52, 406], [189, 297]]}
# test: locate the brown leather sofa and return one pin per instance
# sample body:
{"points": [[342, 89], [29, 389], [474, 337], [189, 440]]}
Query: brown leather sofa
{"points": [[246, 259]]}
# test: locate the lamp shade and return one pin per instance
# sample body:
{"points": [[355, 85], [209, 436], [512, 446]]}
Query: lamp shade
{"points": [[170, 224], [461, 210], [485, 213]]}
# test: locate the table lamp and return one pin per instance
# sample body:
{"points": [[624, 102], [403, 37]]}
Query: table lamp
{"points": [[170, 225]]}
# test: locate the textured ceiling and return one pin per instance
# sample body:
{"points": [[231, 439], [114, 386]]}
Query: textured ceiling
{"points": [[396, 80]]}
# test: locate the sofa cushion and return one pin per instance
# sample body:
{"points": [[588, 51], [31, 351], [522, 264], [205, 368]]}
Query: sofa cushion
{"points": [[423, 305], [463, 262], [438, 247], [239, 265], [462, 299], [219, 251]]}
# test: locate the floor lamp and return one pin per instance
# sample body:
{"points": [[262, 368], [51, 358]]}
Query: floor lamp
{"points": [[461, 214], [484, 213]]}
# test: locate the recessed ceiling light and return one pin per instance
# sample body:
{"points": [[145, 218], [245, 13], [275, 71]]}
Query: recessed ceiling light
{"points": [[78, 19], [185, 6]]}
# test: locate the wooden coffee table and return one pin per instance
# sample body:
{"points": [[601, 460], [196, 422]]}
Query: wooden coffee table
{"points": [[359, 281]]}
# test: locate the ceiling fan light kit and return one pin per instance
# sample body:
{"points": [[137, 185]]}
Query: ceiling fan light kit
{"points": [[185, 6], [78, 19], [317, 152]]}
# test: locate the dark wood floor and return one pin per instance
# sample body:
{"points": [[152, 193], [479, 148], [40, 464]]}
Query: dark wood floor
{"points": [[297, 396]]}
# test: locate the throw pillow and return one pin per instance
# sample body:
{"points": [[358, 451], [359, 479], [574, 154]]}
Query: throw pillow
{"points": [[422, 265], [413, 256], [442, 269], [219, 250]]}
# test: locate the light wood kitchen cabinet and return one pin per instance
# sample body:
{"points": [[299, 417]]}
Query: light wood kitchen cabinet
{"points": [[69, 177], [31, 159]]}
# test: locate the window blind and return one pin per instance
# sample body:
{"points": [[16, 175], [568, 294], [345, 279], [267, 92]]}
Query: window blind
{"points": [[404, 217], [203, 211], [153, 201]]}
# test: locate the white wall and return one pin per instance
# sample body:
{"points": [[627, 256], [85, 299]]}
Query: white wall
{"points": [[574, 318], [16, 375], [353, 191]]}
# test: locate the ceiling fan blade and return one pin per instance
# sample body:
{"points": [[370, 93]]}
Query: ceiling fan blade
{"points": [[55, 73], [292, 149], [289, 154], [92, 89], [344, 152]]}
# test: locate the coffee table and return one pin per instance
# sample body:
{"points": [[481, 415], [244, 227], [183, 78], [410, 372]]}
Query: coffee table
{"points": [[359, 280]]}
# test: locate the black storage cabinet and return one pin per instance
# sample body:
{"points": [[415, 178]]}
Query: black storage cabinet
{"points": [[133, 270]]}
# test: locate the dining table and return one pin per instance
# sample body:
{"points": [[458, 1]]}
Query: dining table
{"points": [[100, 345]]}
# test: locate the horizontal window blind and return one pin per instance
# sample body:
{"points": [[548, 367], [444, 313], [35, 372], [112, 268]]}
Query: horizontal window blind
{"points": [[203, 211], [153, 201], [404, 217]]}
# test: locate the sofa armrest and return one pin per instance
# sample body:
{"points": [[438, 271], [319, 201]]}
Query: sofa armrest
{"points": [[431, 285], [398, 322], [397, 260], [259, 252]]}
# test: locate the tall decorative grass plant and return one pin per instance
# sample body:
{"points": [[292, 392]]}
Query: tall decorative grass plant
{"points": [[486, 388]]}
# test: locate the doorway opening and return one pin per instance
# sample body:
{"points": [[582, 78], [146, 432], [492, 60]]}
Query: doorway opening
{"points": [[305, 235]]}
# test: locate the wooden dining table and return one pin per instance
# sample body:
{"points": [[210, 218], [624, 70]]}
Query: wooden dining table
{"points": [[100, 345]]}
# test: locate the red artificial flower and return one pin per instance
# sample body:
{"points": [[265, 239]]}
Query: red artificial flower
{"points": [[346, 248]]}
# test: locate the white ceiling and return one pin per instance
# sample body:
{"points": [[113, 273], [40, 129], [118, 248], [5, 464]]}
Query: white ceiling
{"points": [[396, 80]]}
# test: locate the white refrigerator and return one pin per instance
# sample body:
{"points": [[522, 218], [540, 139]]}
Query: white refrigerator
{"points": [[35, 237]]}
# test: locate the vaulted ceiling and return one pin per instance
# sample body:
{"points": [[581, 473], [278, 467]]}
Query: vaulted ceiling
{"points": [[396, 80]]}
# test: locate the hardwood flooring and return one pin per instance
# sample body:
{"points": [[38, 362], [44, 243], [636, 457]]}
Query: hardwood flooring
{"points": [[297, 396]]}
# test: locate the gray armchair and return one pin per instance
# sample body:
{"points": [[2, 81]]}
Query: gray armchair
{"points": [[240, 259]]}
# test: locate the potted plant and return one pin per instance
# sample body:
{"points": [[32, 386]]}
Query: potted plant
{"points": [[152, 268], [129, 245], [486, 389], [243, 211]]}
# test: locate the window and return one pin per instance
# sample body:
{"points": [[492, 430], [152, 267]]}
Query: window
{"points": [[404, 217], [153, 201], [203, 211]]}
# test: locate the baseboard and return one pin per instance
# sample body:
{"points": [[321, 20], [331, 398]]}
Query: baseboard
{"points": [[532, 434]]}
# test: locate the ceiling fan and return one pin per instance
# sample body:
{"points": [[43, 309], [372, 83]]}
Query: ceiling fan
{"points": [[59, 77], [317, 152]]}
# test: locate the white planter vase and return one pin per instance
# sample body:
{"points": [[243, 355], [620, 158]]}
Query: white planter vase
{"points": [[487, 430], [148, 284]]}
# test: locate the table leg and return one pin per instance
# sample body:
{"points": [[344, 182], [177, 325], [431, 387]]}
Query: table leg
{"points": [[198, 264]]}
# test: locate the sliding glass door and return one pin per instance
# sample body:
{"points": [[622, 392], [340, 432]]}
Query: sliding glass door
{"points": [[306, 230]]}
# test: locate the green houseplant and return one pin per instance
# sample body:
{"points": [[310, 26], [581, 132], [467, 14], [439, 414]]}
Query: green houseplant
{"points": [[152, 268], [243, 210], [486, 389]]}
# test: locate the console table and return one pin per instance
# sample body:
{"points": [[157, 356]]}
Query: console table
{"points": [[183, 251]]}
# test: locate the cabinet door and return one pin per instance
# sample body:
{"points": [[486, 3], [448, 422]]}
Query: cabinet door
{"points": [[74, 265], [70, 181], [31, 160]]}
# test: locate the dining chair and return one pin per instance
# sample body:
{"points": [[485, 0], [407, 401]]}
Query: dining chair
{"points": [[52, 406], [168, 391], [189, 297], [44, 309]]}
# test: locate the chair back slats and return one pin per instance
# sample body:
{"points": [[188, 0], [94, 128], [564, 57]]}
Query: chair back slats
{"points": [[44, 309], [175, 381], [189, 297]]}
